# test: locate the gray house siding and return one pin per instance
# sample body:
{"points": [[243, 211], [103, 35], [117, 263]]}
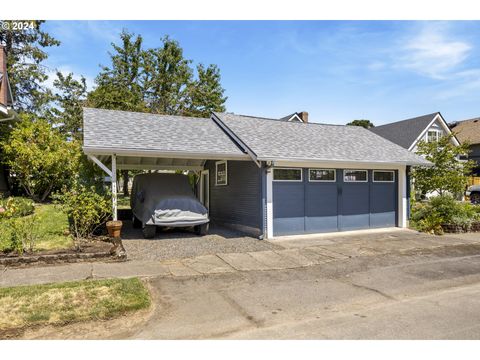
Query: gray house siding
{"points": [[475, 156], [238, 203]]}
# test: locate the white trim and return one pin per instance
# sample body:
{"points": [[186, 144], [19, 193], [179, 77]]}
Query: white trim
{"points": [[269, 186], [423, 133], [354, 181], [114, 187], [383, 181], [230, 133], [339, 164], [332, 181], [157, 167], [216, 173], [438, 133], [163, 154], [295, 116], [402, 198], [203, 200], [100, 164], [285, 168]]}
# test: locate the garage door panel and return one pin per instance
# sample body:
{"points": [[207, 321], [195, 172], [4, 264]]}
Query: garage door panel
{"points": [[321, 207], [355, 211], [289, 208], [383, 204]]}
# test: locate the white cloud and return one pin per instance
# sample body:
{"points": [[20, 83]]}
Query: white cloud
{"points": [[433, 52]]}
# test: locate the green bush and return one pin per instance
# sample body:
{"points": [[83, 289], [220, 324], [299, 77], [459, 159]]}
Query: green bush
{"points": [[16, 207], [428, 216], [87, 210], [18, 234]]}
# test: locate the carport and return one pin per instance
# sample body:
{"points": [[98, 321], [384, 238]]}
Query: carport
{"points": [[119, 140]]}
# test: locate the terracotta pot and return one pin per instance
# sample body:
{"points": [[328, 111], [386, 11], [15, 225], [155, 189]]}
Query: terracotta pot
{"points": [[114, 228]]}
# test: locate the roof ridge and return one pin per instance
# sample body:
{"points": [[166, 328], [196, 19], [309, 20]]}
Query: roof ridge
{"points": [[289, 122], [409, 119], [146, 113]]}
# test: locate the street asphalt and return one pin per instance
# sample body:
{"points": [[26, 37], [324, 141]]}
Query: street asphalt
{"points": [[385, 285]]}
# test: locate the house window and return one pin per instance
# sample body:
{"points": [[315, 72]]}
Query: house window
{"points": [[355, 175], [221, 173], [287, 174], [383, 176], [327, 175], [433, 135]]}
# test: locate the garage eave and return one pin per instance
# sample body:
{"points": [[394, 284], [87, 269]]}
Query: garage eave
{"points": [[340, 163], [89, 150]]}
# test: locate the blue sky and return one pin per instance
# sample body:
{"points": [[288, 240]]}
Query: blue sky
{"points": [[336, 70]]}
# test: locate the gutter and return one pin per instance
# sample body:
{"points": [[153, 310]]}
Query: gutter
{"points": [[309, 160]]}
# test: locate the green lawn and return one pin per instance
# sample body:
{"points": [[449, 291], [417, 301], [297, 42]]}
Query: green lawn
{"points": [[123, 202], [57, 304], [52, 224]]}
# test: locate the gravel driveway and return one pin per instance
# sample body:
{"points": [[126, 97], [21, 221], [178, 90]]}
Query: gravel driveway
{"points": [[179, 244]]}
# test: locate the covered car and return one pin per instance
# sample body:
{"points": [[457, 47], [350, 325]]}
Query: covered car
{"points": [[166, 199]]}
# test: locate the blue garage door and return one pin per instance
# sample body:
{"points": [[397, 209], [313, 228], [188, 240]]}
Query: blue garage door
{"points": [[325, 200]]}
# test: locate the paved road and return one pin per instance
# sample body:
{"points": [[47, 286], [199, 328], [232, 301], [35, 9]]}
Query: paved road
{"points": [[396, 285]]}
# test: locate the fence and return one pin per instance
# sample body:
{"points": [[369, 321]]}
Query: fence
{"points": [[474, 180]]}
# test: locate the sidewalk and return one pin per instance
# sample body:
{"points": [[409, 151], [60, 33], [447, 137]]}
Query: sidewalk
{"points": [[292, 256]]}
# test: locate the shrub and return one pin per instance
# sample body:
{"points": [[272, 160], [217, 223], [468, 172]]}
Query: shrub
{"points": [[16, 207], [40, 157], [87, 210], [429, 216], [19, 234]]}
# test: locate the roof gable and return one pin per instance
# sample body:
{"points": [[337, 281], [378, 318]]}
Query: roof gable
{"points": [[405, 132], [467, 130]]}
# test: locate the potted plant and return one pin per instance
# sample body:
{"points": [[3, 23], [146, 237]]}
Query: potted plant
{"points": [[114, 228]]}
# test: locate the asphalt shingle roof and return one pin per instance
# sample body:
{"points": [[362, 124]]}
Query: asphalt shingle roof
{"points": [[467, 130], [149, 132], [405, 132], [273, 139]]}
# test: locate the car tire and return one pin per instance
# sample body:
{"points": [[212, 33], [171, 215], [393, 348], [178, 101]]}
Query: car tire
{"points": [[201, 229], [137, 224], [149, 231], [475, 197]]}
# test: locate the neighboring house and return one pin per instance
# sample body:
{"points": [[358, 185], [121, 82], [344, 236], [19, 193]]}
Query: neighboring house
{"points": [[264, 176], [408, 133], [469, 131], [301, 116], [6, 113]]}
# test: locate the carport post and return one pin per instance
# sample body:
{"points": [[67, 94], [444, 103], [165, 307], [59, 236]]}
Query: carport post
{"points": [[114, 186]]}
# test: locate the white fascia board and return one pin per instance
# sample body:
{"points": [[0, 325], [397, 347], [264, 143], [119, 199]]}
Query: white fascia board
{"points": [[444, 125], [157, 167], [295, 117], [239, 141], [163, 154], [4, 109], [340, 164]]}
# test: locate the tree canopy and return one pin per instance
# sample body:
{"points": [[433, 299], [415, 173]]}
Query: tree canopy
{"points": [[26, 52], [367, 124], [448, 174]]}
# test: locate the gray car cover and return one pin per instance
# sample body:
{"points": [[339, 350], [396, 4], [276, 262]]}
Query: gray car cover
{"points": [[166, 199]]}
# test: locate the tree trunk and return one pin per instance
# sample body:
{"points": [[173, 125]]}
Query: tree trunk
{"points": [[125, 182]]}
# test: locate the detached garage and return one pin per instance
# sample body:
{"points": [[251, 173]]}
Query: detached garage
{"points": [[267, 177]]}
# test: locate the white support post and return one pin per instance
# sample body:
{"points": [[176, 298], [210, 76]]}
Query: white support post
{"points": [[402, 197], [114, 186], [269, 203]]}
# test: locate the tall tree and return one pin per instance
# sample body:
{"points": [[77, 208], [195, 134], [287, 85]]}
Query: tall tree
{"points": [[206, 92], [167, 78], [70, 96], [25, 56], [367, 124], [119, 85]]}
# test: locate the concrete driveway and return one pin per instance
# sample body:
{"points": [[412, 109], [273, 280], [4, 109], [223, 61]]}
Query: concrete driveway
{"points": [[385, 285]]}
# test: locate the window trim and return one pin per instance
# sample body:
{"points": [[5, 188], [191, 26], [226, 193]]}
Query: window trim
{"points": [[437, 132], [355, 181], [216, 172], [331, 181], [383, 181], [289, 168]]}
